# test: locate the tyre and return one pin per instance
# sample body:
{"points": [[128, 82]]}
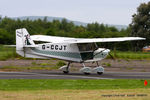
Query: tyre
{"points": [[99, 73], [86, 73], [65, 72]]}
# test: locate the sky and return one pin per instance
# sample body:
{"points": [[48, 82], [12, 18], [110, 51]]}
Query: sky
{"points": [[118, 12]]}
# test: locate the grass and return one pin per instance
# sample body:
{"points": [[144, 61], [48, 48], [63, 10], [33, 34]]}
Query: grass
{"points": [[54, 84], [52, 89], [34, 66], [60, 63], [130, 55], [6, 53], [106, 64], [18, 68], [41, 89], [119, 94], [128, 68]]}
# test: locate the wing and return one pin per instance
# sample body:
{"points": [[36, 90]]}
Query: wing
{"points": [[107, 39], [55, 39]]}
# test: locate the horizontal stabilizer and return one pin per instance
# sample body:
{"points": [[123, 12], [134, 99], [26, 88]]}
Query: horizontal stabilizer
{"points": [[10, 45]]}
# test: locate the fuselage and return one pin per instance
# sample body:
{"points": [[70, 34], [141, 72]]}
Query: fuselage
{"points": [[83, 52]]}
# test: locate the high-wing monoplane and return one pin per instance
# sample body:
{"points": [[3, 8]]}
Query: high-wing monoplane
{"points": [[79, 50]]}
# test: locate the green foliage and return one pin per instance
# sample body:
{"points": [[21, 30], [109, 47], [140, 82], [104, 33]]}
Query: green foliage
{"points": [[5, 38], [140, 25], [60, 63]]}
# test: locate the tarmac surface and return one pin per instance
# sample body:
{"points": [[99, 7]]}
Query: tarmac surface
{"points": [[73, 75]]}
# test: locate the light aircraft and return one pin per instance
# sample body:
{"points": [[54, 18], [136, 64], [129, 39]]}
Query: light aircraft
{"points": [[79, 50]]}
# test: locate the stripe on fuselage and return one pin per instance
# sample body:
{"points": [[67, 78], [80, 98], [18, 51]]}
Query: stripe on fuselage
{"points": [[59, 54]]}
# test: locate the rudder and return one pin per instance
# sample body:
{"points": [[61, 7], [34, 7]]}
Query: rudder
{"points": [[22, 39]]}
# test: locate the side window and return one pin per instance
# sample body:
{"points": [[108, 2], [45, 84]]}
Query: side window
{"points": [[86, 46]]}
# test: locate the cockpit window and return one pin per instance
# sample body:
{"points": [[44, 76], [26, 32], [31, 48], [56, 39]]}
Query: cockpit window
{"points": [[86, 46]]}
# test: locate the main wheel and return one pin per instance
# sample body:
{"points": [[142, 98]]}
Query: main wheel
{"points": [[66, 72], [86, 73], [99, 73]]}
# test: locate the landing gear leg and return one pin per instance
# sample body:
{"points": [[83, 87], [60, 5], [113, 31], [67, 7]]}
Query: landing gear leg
{"points": [[97, 63], [99, 70], [65, 68]]}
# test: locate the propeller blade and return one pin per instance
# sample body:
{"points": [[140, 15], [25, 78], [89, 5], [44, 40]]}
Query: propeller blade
{"points": [[111, 56]]}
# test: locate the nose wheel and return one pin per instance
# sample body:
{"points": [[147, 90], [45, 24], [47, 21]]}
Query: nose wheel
{"points": [[87, 73], [99, 70], [99, 73]]}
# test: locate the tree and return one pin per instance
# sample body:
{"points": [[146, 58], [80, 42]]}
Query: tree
{"points": [[140, 25], [0, 18], [5, 38]]}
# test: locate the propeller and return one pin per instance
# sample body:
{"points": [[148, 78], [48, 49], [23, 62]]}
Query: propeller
{"points": [[111, 56]]}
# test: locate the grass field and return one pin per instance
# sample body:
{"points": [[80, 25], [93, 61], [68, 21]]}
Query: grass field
{"points": [[7, 53], [119, 94], [131, 55], [43, 84], [24, 89]]}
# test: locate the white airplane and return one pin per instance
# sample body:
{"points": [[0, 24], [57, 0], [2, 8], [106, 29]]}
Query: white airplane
{"points": [[79, 50]]}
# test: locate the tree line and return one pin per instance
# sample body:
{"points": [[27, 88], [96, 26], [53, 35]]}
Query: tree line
{"points": [[57, 28]]}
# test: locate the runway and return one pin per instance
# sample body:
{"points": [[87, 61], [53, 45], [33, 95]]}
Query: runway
{"points": [[73, 75]]}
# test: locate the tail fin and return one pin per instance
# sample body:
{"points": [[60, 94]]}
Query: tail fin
{"points": [[22, 39]]}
